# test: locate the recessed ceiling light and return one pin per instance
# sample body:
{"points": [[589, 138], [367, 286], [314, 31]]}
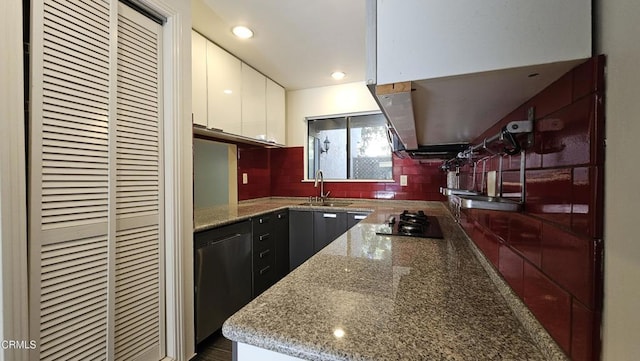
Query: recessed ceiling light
{"points": [[242, 32], [337, 75]]}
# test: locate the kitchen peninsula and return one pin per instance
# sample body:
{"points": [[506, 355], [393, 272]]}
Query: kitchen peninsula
{"points": [[376, 297]]}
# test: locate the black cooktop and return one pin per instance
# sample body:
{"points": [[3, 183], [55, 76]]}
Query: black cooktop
{"points": [[414, 224]]}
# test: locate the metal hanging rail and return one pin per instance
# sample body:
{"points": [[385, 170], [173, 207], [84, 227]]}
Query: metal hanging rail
{"points": [[507, 133]]}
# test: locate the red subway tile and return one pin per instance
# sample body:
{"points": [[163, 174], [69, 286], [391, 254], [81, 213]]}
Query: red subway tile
{"points": [[568, 134], [511, 185], [525, 235], [568, 260], [487, 242], [554, 97], [511, 266], [549, 194], [550, 304], [582, 333], [588, 77], [499, 224], [584, 218]]}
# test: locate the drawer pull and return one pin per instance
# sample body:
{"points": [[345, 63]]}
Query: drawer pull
{"points": [[281, 216], [329, 215], [359, 217], [264, 270], [263, 237], [263, 220], [264, 253]]}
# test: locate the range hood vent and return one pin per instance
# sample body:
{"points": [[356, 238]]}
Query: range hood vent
{"points": [[437, 151]]}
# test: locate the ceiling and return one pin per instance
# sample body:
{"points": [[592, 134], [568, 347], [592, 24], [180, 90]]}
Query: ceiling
{"points": [[298, 44]]}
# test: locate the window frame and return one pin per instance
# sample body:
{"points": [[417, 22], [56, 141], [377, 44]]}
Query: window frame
{"points": [[345, 116]]}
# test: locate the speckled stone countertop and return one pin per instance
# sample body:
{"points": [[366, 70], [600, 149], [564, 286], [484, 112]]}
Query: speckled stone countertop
{"points": [[371, 297]]}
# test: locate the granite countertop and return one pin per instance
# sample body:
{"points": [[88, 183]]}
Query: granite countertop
{"points": [[371, 297]]}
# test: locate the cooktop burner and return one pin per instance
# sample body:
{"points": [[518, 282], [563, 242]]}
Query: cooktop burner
{"points": [[415, 224]]}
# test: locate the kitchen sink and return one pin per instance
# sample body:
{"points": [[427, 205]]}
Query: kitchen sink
{"points": [[490, 203], [326, 204]]}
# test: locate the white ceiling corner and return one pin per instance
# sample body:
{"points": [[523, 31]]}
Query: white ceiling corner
{"points": [[297, 43]]}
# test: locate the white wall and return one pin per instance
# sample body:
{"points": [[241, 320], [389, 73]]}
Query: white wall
{"points": [[329, 100], [617, 33]]}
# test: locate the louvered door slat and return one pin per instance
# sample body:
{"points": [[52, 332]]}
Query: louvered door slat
{"points": [[70, 121], [96, 216], [138, 190]]}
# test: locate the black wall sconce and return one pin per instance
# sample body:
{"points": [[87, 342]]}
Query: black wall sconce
{"points": [[326, 145]]}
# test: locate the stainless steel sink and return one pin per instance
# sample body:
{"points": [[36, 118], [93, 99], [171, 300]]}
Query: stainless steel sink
{"points": [[490, 203], [455, 191], [326, 204]]}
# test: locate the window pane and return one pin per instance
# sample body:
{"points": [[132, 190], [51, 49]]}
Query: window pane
{"points": [[370, 151], [329, 147], [354, 147]]}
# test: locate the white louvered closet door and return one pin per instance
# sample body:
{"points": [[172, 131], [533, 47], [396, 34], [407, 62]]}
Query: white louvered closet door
{"points": [[139, 307], [95, 213]]}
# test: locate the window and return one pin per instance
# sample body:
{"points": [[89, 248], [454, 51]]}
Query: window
{"points": [[349, 147]]}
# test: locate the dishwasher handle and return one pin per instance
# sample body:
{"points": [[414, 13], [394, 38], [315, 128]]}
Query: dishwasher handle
{"points": [[214, 241]]}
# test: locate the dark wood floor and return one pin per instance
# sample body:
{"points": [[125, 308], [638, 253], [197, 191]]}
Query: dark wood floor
{"points": [[214, 348]]}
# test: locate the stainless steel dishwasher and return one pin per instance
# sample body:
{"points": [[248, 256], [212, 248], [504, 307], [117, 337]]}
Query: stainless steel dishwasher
{"points": [[222, 275]]}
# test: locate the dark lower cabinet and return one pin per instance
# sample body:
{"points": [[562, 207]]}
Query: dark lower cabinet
{"points": [[281, 239], [327, 226], [300, 237], [270, 249], [236, 262], [264, 253], [354, 218], [222, 275]]}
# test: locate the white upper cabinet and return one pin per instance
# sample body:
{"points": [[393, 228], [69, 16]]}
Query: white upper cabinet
{"points": [[254, 103], [275, 113], [424, 39], [231, 96], [224, 88], [199, 78]]}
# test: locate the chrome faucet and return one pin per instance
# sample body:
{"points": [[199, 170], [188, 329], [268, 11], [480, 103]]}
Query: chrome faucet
{"points": [[319, 173]]}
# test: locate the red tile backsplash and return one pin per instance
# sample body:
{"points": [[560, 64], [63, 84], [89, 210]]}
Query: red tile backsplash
{"points": [[280, 171], [568, 260], [511, 266], [548, 194], [582, 345], [568, 140], [525, 236], [551, 253], [550, 304]]}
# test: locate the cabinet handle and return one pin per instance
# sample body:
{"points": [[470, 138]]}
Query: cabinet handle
{"points": [[263, 237], [264, 270], [263, 220], [329, 215], [264, 253], [281, 216], [359, 217]]}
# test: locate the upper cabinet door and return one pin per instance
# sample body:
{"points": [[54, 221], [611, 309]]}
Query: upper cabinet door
{"points": [[275, 113], [253, 103], [199, 78], [425, 39], [224, 81]]}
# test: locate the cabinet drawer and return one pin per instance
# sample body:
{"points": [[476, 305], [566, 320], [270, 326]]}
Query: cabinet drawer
{"points": [[263, 240], [263, 257], [263, 224]]}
